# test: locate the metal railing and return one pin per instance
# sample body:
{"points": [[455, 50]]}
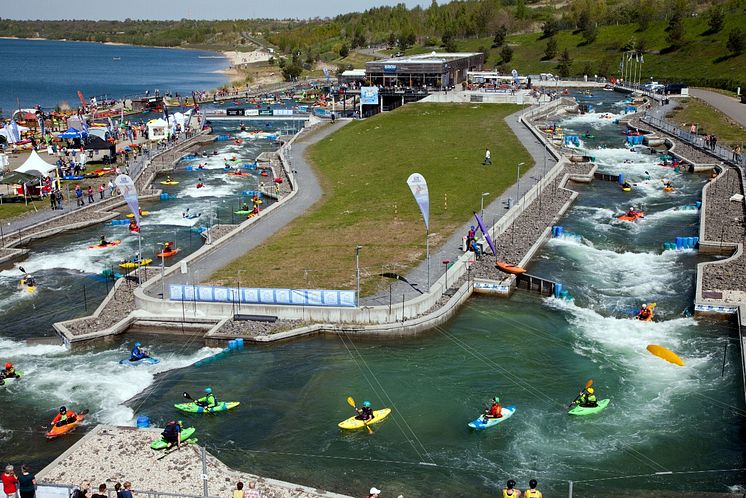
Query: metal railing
{"points": [[54, 490]]}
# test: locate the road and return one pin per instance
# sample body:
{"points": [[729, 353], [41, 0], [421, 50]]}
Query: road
{"points": [[730, 106]]}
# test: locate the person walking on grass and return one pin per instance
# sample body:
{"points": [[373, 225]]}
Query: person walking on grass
{"points": [[487, 157]]}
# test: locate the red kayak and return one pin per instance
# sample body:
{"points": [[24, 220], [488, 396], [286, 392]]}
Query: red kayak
{"points": [[111, 243]]}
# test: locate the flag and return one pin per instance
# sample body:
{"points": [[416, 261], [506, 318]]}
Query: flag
{"points": [[418, 186], [14, 134], [127, 187], [40, 120]]}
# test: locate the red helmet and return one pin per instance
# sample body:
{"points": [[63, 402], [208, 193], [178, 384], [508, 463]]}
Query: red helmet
{"points": [[9, 365]]}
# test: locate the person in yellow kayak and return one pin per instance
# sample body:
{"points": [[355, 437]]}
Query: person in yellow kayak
{"points": [[8, 373], [645, 313], [587, 398], [208, 400], [64, 417], [365, 412], [495, 410]]}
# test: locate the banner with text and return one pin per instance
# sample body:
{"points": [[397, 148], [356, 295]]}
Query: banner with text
{"points": [[369, 95], [418, 186], [127, 187], [243, 295]]}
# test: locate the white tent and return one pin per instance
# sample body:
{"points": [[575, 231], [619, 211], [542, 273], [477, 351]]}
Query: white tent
{"points": [[36, 166], [157, 129], [5, 132]]}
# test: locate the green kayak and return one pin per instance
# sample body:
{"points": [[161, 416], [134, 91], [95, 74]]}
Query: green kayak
{"points": [[222, 406], [160, 443], [11, 379], [243, 211], [589, 410]]}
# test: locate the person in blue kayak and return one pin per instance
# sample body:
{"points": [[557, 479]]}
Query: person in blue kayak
{"points": [[495, 410], [365, 412], [208, 400], [172, 434], [8, 373], [138, 353], [587, 398]]}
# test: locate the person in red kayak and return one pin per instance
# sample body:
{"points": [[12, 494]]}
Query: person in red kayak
{"points": [[632, 213], [645, 313], [64, 417], [494, 411]]}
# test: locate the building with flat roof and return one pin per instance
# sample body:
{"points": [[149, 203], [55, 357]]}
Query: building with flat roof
{"points": [[435, 70]]}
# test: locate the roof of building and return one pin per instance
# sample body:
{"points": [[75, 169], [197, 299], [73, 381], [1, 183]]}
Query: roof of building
{"points": [[354, 73], [430, 58]]}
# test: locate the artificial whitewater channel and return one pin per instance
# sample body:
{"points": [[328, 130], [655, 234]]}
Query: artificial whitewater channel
{"points": [[667, 428]]}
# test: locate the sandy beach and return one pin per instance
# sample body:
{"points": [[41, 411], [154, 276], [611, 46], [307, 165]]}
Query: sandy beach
{"points": [[239, 58]]}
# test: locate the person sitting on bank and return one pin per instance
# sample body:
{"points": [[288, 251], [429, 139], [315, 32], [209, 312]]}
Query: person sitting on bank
{"points": [[64, 417], [587, 398], [495, 410], [8, 373], [365, 412], [645, 313], [137, 353], [208, 400], [172, 434]]}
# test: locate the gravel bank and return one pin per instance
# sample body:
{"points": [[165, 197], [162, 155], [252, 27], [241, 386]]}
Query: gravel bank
{"points": [[253, 329], [681, 149], [120, 305], [723, 217]]}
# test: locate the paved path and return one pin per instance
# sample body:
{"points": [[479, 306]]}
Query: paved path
{"points": [[493, 211], [730, 106], [309, 193]]}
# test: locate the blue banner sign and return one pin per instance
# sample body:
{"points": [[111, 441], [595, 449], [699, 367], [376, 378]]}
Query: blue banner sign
{"points": [[289, 297], [369, 95]]}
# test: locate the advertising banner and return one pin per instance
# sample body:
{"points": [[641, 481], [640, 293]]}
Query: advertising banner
{"points": [[369, 95], [418, 186]]}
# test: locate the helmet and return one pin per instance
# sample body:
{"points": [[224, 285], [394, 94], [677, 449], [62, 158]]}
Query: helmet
{"points": [[591, 390], [208, 390], [496, 399], [9, 365], [644, 305], [632, 209], [137, 344], [181, 423], [472, 227], [63, 409], [366, 403]]}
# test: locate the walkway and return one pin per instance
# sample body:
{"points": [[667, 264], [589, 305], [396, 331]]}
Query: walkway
{"points": [[730, 106]]}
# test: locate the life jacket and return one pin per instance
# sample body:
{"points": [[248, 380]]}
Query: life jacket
{"points": [[496, 410], [645, 313], [170, 430], [366, 413], [513, 493], [532, 493]]}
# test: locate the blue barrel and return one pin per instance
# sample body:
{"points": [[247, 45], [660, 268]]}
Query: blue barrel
{"points": [[557, 290], [698, 204], [560, 230], [679, 243], [565, 295], [621, 178], [143, 422], [690, 242], [164, 196], [696, 242], [189, 168], [239, 343], [231, 345]]}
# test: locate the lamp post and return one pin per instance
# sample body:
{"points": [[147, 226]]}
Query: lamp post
{"points": [[357, 274], [518, 182], [445, 263], [481, 204]]}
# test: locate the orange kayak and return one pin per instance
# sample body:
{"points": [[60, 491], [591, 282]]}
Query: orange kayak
{"points": [[166, 254], [508, 268], [626, 217], [61, 430]]}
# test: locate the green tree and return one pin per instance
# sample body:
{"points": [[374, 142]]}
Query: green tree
{"points": [[550, 52], [584, 20], [391, 42], [675, 30], [500, 35], [590, 32], [449, 42], [736, 40], [564, 65], [291, 71], [344, 51], [716, 19], [406, 40], [520, 9], [506, 54], [549, 28]]}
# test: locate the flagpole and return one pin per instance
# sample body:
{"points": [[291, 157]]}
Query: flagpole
{"points": [[427, 255]]}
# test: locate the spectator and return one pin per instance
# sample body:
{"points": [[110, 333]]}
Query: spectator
{"points": [[238, 492], [510, 489], [101, 190], [111, 188], [118, 490], [79, 196], [58, 196], [253, 492], [101, 492], [90, 194], [374, 492], [27, 482], [10, 482], [82, 491], [127, 491], [532, 492], [487, 156]]}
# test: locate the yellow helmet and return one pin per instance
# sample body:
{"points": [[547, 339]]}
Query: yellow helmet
{"points": [[590, 390]]}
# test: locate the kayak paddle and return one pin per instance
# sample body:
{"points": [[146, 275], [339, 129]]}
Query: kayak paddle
{"points": [[351, 402], [587, 385], [186, 395]]}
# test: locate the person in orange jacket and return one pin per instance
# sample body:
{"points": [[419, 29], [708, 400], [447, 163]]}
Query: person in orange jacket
{"points": [[64, 417]]}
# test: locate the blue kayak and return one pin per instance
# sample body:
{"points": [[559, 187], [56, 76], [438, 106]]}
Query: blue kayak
{"points": [[143, 361], [480, 424]]}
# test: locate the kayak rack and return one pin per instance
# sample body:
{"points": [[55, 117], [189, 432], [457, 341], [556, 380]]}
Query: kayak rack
{"points": [[533, 283]]}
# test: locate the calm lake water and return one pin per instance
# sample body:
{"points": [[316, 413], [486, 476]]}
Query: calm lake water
{"points": [[49, 72]]}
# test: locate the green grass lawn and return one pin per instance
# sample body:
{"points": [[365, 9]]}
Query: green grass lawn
{"points": [[709, 121], [12, 209], [702, 61], [363, 169]]}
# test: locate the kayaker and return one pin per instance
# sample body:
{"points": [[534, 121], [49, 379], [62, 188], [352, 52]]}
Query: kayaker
{"points": [[365, 412], [102, 241], [645, 313], [172, 434], [133, 226], [632, 212], [495, 410], [510, 491], [532, 492], [137, 353], [255, 211], [626, 184], [587, 398], [208, 400], [64, 417], [244, 207], [374, 492], [8, 373]]}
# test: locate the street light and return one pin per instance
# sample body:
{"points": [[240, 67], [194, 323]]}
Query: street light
{"points": [[481, 204], [518, 182], [357, 274], [445, 263]]}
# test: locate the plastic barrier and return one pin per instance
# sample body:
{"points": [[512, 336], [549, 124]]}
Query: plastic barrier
{"points": [[558, 290], [143, 422], [681, 243], [252, 193], [557, 230], [635, 139], [233, 346], [621, 178], [222, 138], [254, 295], [165, 196], [250, 165], [120, 222], [572, 140]]}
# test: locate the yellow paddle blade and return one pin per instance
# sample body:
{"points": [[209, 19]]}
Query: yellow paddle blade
{"points": [[652, 305], [666, 354], [351, 402]]}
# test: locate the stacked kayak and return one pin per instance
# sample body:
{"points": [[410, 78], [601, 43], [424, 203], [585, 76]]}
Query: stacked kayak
{"points": [[480, 423], [193, 407], [186, 434], [141, 361], [354, 423], [589, 410]]}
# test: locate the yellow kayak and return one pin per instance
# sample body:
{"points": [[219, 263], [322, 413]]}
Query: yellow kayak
{"points": [[144, 213], [132, 264], [169, 183], [354, 423], [31, 289]]}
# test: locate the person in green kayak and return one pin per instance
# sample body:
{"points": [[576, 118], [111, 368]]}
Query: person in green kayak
{"points": [[365, 412], [587, 398], [208, 400], [172, 434], [495, 410], [8, 373]]}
